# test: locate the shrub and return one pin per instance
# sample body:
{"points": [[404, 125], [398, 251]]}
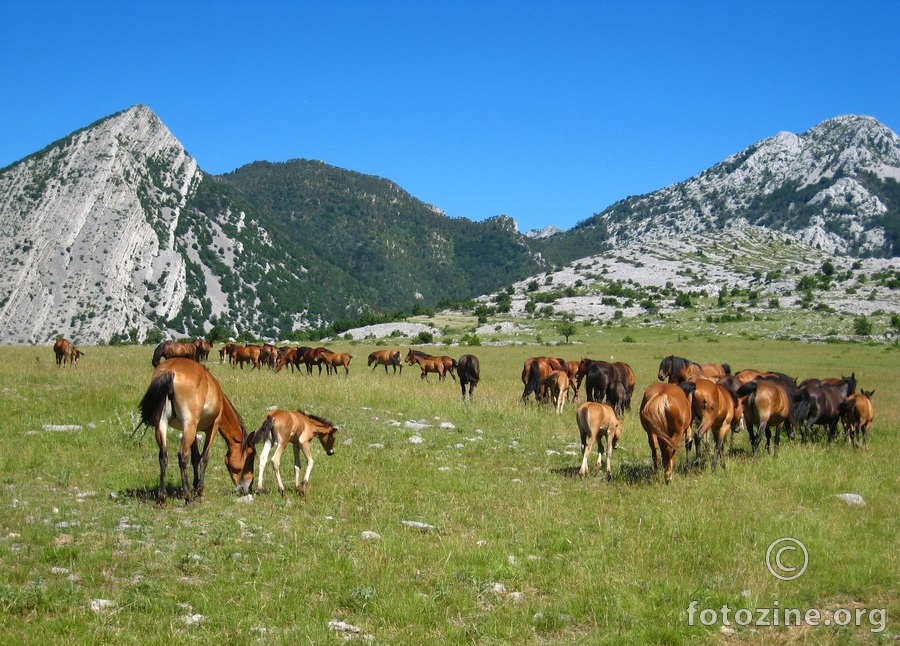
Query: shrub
{"points": [[862, 326]]}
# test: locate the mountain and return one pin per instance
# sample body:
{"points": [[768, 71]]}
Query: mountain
{"points": [[835, 187], [115, 231]]}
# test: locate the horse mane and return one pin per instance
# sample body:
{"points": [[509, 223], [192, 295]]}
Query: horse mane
{"points": [[421, 354], [240, 421], [321, 420]]}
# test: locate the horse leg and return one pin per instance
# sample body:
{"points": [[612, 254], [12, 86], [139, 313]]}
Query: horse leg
{"points": [[609, 452], [163, 461], [309, 465], [587, 444], [263, 457], [654, 450], [276, 466], [195, 460], [187, 439]]}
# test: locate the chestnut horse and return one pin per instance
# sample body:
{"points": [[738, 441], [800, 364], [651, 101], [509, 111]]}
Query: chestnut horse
{"points": [[172, 350], [184, 394], [534, 372], [679, 369], [469, 373], [557, 384], [291, 357], [596, 421], [767, 403], [62, 349], [666, 417], [74, 355], [203, 349], [242, 354], [431, 364], [857, 414], [449, 362], [282, 427], [713, 407], [335, 359], [386, 358]]}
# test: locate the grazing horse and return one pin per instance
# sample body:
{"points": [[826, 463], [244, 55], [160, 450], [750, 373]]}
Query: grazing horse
{"points": [[184, 394], [62, 348], [172, 350], [242, 354], [74, 355], [713, 408], [335, 359], [282, 427], [666, 417], [291, 357], [820, 404], [535, 371], [596, 421], [386, 358], [449, 362], [679, 369], [557, 384], [857, 414], [469, 372], [767, 403], [431, 364]]}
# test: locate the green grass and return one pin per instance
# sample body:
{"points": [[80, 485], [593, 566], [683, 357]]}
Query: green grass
{"points": [[523, 551]]}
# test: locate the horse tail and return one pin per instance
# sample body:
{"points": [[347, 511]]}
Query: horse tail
{"points": [[748, 388], [653, 419], [726, 369], [801, 405], [534, 381], [157, 398], [265, 431], [157, 354]]}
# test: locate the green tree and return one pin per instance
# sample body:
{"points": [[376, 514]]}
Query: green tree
{"points": [[566, 329], [862, 326]]}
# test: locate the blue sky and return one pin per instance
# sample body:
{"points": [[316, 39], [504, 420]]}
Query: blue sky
{"points": [[545, 111]]}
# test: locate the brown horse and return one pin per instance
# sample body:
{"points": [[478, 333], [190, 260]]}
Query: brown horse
{"points": [[469, 373], [184, 394], [557, 384], [449, 362], [242, 354], [74, 355], [666, 417], [679, 369], [713, 408], [534, 372], [282, 427], [333, 360], [314, 357], [203, 349], [857, 414], [432, 364], [386, 358], [767, 403], [290, 357], [62, 348], [226, 350], [173, 349], [572, 371], [596, 421]]}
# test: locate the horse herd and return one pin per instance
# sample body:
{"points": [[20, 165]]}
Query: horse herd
{"points": [[690, 403], [696, 401]]}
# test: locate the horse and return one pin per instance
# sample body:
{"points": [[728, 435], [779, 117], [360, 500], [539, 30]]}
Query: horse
{"points": [[679, 369], [857, 414], [625, 375], [62, 348], [290, 357], [767, 403], [557, 384], [184, 394], [203, 348], [298, 428], [242, 354], [314, 357], [225, 351], [172, 350], [432, 364], [593, 420], [449, 362], [666, 417], [268, 355], [572, 371], [821, 404], [598, 376], [713, 408], [469, 372], [74, 355], [335, 359], [535, 371], [386, 358]]}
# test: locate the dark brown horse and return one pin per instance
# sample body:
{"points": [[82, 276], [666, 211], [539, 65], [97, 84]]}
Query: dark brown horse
{"points": [[678, 369], [62, 349], [173, 350], [820, 403], [314, 357], [469, 372], [183, 394], [203, 349], [666, 417], [386, 358]]}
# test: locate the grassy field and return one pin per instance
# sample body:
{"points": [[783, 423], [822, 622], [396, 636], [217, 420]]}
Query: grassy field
{"points": [[520, 551]]}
